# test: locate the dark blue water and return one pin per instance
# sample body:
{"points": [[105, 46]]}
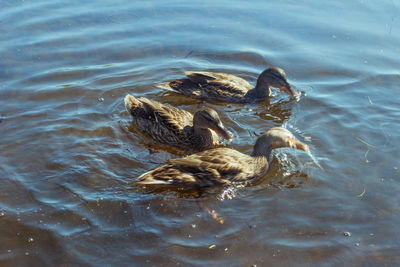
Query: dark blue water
{"points": [[69, 154]]}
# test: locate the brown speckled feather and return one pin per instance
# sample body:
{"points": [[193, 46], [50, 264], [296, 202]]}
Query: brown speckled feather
{"points": [[211, 167], [168, 116], [210, 85], [167, 124], [230, 88], [223, 165], [164, 123]]}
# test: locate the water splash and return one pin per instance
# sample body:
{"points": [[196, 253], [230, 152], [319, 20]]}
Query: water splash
{"points": [[230, 192], [315, 160]]}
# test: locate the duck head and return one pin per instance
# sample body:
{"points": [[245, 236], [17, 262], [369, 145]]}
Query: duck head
{"points": [[207, 118], [275, 77], [277, 137]]}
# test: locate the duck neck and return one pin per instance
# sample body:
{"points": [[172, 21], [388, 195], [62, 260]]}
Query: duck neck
{"points": [[262, 150], [261, 91], [203, 137]]}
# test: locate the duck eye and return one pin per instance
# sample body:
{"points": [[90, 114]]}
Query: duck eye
{"points": [[208, 118], [278, 76]]}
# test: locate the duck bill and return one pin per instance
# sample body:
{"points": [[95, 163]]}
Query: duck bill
{"points": [[288, 89], [225, 133], [302, 146]]}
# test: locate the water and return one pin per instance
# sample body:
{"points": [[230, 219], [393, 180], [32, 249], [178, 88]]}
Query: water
{"points": [[69, 154]]}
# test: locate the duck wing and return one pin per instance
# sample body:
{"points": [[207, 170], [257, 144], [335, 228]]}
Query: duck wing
{"points": [[170, 117], [211, 167], [164, 123], [219, 85], [204, 77], [210, 85]]}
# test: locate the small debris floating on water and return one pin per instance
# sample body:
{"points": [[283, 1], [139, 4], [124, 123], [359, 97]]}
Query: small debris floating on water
{"points": [[347, 234], [212, 246], [100, 99], [362, 193], [368, 146], [364, 142], [365, 155]]}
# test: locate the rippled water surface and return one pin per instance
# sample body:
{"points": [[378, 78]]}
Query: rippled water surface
{"points": [[69, 153]]}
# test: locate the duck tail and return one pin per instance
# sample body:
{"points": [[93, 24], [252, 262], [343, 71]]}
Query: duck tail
{"points": [[131, 103], [148, 179], [165, 85]]}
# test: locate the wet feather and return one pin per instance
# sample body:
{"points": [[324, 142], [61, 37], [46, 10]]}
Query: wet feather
{"points": [[228, 87], [174, 126], [222, 165]]}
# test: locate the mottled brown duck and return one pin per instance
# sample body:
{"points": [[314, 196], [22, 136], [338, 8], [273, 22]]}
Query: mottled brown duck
{"points": [[220, 166], [230, 88], [177, 127]]}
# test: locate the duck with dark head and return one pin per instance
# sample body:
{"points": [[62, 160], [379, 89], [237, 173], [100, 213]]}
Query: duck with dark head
{"points": [[177, 127], [220, 166], [230, 88]]}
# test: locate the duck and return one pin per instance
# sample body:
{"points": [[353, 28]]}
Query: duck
{"points": [[177, 127], [222, 166], [230, 88]]}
